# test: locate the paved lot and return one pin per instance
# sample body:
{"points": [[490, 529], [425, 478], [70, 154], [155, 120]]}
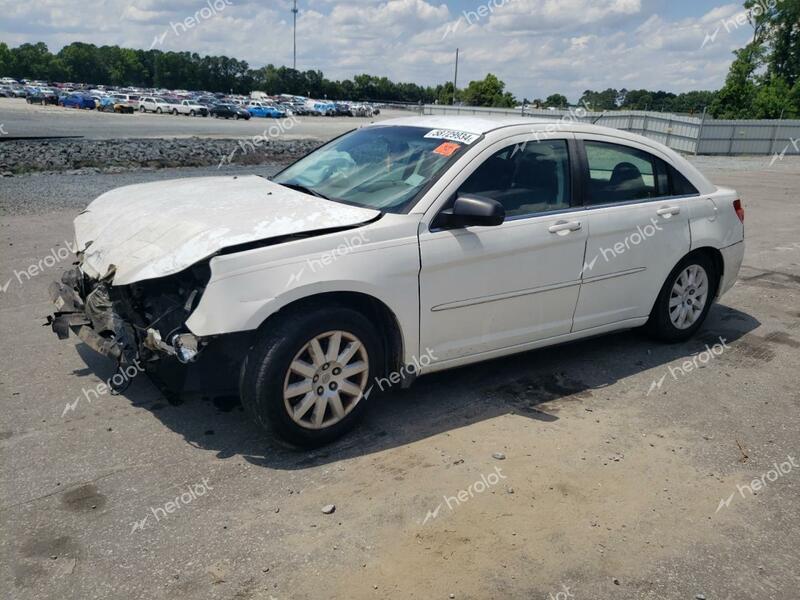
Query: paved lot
{"points": [[22, 119], [611, 486]]}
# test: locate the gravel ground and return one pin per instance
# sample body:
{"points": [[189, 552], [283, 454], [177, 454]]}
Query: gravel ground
{"points": [[608, 490], [25, 156]]}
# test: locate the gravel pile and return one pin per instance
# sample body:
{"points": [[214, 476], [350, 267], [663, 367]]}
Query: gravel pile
{"points": [[115, 156]]}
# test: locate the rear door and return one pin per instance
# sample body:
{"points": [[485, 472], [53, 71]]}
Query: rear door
{"points": [[638, 231]]}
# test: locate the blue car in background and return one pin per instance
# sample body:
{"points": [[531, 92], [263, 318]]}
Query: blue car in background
{"points": [[77, 101], [264, 110]]}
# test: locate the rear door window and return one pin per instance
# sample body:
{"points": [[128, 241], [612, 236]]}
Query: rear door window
{"points": [[624, 174]]}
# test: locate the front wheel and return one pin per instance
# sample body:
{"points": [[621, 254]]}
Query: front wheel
{"points": [[308, 377], [684, 300], [158, 110]]}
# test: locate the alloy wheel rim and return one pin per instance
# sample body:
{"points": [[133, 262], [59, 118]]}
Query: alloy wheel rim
{"points": [[326, 380], [688, 297]]}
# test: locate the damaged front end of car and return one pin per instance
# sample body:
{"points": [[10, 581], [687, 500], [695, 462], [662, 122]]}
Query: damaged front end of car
{"points": [[142, 323]]}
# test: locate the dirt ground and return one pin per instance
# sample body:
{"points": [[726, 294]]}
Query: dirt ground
{"points": [[619, 476]]}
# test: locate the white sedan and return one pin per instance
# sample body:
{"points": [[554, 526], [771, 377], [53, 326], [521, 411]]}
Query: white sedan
{"points": [[402, 248]]}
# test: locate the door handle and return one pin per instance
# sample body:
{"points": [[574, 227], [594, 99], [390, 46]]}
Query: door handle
{"points": [[564, 227], [668, 211]]}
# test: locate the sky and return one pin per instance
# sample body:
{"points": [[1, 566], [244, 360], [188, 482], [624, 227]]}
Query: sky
{"points": [[538, 47]]}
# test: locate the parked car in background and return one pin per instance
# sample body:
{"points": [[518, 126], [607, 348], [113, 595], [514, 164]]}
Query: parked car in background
{"points": [[129, 100], [113, 104], [257, 109], [229, 111], [8, 81], [77, 100], [8, 90], [342, 110], [42, 96], [191, 108], [154, 104]]}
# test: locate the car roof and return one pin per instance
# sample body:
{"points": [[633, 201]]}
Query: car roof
{"points": [[483, 125]]}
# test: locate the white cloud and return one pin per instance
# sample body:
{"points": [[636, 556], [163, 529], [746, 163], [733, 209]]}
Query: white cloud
{"points": [[537, 46]]}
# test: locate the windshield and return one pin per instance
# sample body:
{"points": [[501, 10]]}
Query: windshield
{"points": [[376, 167]]}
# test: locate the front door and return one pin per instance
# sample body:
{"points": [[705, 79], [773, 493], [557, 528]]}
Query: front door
{"points": [[485, 289]]}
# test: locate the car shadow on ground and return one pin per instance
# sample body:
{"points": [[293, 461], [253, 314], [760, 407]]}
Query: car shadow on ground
{"points": [[519, 384]]}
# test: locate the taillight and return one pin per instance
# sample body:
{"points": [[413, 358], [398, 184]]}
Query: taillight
{"points": [[737, 206]]}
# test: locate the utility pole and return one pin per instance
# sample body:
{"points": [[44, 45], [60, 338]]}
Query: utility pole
{"points": [[455, 79], [294, 15]]}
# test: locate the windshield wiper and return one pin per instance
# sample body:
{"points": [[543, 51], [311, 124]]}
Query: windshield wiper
{"points": [[304, 189]]}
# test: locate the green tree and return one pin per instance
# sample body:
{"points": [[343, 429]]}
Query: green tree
{"points": [[773, 100], [488, 92], [556, 101], [735, 99]]}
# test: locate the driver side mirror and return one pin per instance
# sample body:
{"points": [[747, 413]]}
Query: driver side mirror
{"points": [[469, 210]]}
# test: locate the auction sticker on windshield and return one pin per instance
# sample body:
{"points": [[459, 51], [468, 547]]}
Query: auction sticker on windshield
{"points": [[455, 136], [447, 148]]}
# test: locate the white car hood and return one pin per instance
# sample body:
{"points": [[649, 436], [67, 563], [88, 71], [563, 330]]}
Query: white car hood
{"points": [[155, 229]]}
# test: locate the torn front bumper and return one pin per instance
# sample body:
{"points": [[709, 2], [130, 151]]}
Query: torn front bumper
{"points": [[85, 307], [82, 315]]}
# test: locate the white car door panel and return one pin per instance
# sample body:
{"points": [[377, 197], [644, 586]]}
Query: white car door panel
{"points": [[630, 251], [489, 288], [632, 247], [486, 288]]}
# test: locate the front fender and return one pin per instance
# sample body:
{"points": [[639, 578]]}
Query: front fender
{"points": [[248, 287]]}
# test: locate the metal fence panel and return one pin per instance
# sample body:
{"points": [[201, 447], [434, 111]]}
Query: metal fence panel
{"points": [[685, 133]]}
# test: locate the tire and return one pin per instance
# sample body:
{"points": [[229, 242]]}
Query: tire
{"points": [[191, 113], [236, 117], [158, 110], [266, 372], [141, 109], [665, 322], [175, 112]]}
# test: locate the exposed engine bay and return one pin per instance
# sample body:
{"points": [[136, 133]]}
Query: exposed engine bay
{"points": [[141, 323]]}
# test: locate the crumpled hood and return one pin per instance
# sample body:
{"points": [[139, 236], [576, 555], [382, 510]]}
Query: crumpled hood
{"points": [[156, 229]]}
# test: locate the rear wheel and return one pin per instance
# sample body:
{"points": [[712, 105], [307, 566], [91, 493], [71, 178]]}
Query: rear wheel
{"points": [[684, 300], [141, 109], [306, 377]]}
